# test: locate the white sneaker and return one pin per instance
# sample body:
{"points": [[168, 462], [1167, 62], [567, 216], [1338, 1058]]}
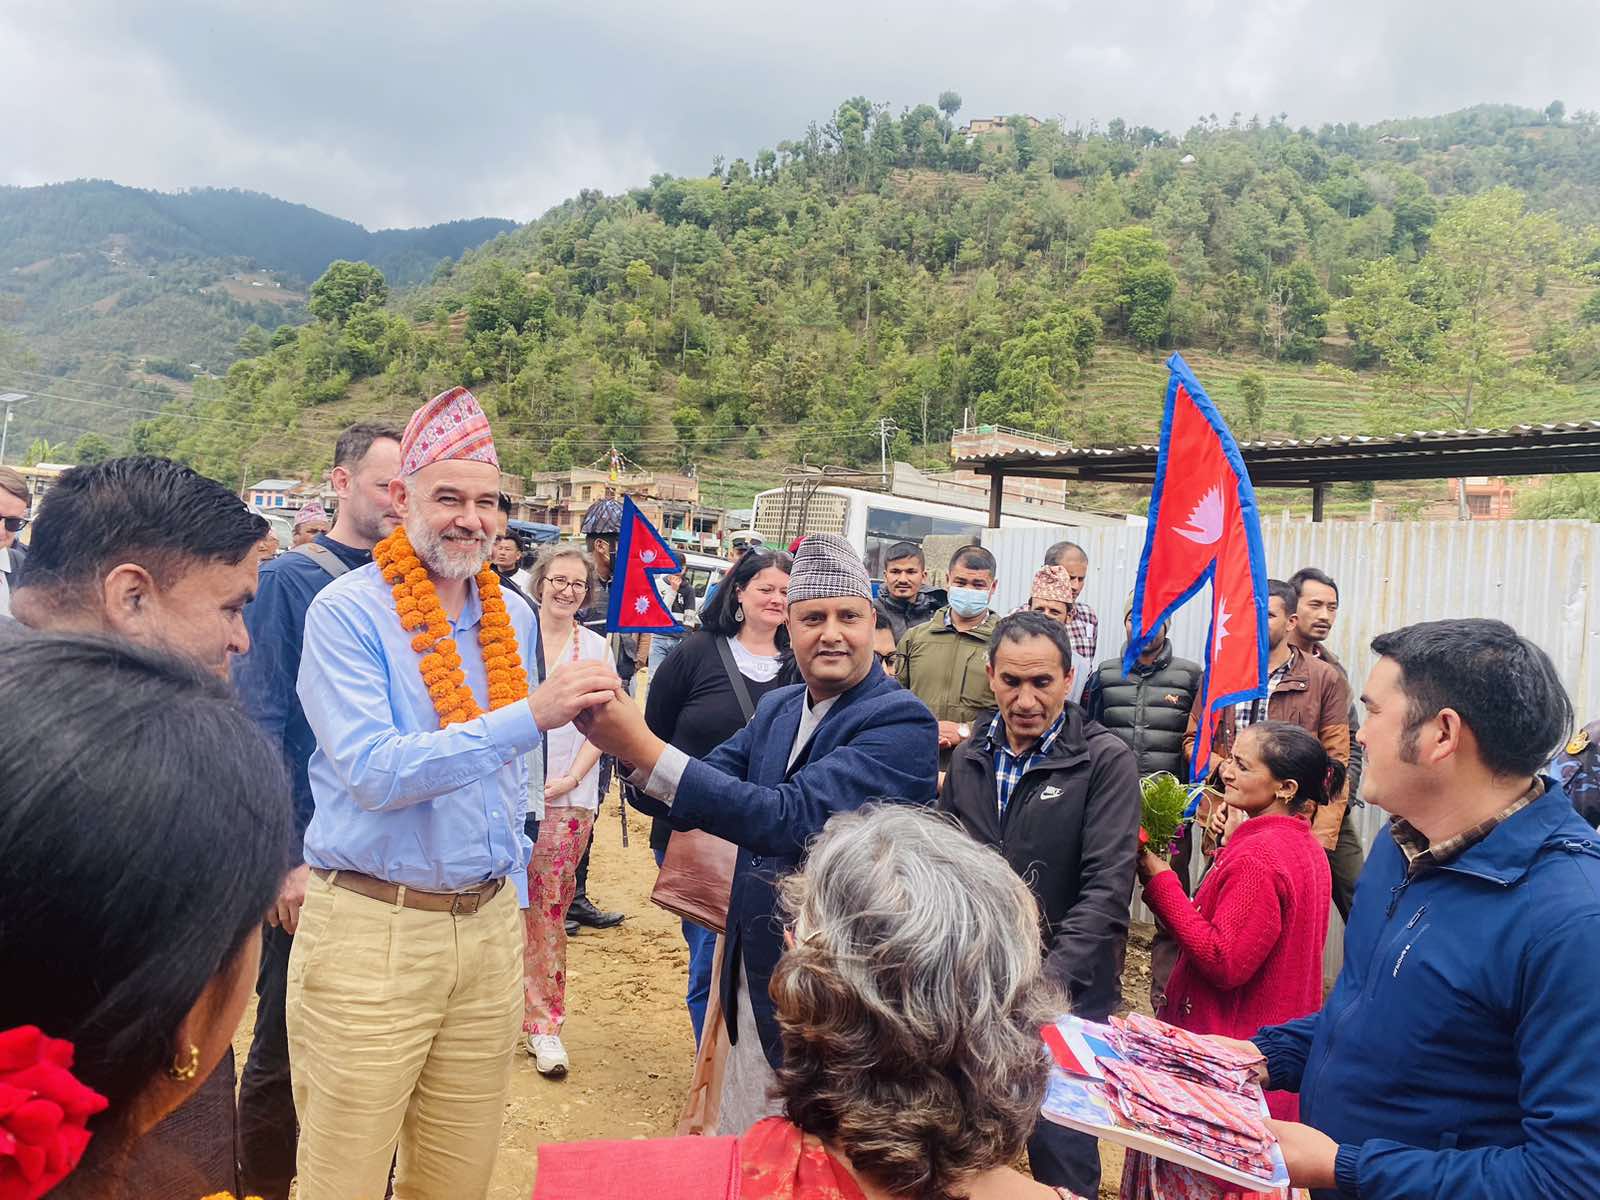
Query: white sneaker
{"points": [[549, 1055]]}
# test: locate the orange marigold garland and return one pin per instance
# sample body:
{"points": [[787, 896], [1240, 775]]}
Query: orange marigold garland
{"points": [[416, 603]]}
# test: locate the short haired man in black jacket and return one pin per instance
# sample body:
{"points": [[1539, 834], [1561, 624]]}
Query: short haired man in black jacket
{"points": [[1058, 796], [1148, 707]]}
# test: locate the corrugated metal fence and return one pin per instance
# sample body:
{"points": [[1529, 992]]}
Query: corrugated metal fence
{"points": [[1535, 575]]}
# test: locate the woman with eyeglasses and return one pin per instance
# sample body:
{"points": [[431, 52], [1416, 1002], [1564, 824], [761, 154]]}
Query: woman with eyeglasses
{"points": [[14, 503], [694, 703], [562, 581]]}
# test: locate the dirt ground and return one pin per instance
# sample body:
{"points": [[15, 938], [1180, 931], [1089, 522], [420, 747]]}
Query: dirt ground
{"points": [[627, 1029]]}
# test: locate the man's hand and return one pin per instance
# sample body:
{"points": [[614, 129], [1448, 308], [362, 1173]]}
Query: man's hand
{"points": [[286, 913], [949, 734], [570, 689], [1309, 1154], [618, 729], [558, 787]]}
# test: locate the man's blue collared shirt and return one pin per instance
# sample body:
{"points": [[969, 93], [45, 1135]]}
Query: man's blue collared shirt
{"points": [[397, 797]]}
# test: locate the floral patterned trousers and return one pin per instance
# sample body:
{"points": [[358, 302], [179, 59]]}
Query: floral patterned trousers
{"points": [[552, 882]]}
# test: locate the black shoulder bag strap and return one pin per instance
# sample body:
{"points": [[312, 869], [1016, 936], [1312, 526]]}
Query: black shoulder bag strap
{"points": [[741, 692]]}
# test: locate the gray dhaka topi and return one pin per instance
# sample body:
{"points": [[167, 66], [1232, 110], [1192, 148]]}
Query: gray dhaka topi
{"points": [[825, 567]]}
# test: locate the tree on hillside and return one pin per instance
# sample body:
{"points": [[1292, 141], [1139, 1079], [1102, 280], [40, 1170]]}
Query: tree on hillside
{"points": [[1447, 329], [1253, 399], [949, 104], [1562, 497], [91, 448], [1555, 112], [343, 286], [1126, 273], [1297, 308]]}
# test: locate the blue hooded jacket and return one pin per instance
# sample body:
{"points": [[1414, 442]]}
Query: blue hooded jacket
{"points": [[1458, 1053]]}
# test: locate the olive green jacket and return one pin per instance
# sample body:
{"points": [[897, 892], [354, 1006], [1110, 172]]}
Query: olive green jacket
{"points": [[946, 668]]}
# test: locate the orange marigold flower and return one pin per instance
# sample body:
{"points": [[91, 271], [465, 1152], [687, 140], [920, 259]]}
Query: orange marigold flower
{"points": [[416, 575], [433, 662], [405, 604], [495, 665], [421, 642], [413, 620], [447, 647], [439, 629], [441, 690], [425, 588]]}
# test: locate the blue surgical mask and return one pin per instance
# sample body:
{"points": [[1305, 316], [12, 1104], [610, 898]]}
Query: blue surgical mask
{"points": [[969, 602]]}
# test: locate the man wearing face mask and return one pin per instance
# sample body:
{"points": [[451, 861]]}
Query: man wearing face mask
{"points": [[942, 663]]}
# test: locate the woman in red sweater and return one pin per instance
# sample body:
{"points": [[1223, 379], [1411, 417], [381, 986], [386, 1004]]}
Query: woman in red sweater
{"points": [[1250, 942]]}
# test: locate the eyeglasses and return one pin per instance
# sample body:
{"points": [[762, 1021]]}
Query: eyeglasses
{"points": [[890, 661], [558, 584], [16, 524]]}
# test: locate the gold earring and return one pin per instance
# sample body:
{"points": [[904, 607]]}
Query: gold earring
{"points": [[188, 1071]]}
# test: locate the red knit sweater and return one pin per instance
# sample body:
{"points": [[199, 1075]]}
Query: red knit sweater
{"points": [[1251, 939]]}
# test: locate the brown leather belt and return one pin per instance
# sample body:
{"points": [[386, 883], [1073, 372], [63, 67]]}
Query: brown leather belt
{"points": [[458, 904]]}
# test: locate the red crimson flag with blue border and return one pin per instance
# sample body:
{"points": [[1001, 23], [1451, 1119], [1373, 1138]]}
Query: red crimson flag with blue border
{"points": [[1204, 528], [642, 554]]}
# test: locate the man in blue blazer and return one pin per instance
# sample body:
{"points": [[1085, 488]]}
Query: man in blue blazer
{"points": [[846, 736]]}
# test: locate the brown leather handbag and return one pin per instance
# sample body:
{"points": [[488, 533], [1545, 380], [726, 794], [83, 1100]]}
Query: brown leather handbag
{"points": [[696, 875]]}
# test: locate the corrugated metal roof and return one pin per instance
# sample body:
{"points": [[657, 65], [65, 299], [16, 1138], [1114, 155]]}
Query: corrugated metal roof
{"points": [[1422, 454], [276, 485]]}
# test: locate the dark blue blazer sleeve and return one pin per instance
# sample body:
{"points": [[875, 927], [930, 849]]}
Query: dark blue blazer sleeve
{"points": [[885, 747]]}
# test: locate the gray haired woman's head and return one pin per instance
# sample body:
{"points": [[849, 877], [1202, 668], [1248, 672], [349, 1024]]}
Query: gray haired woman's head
{"points": [[911, 1001]]}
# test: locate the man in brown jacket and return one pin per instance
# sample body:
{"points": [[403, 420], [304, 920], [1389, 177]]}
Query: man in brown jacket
{"points": [[1316, 608]]}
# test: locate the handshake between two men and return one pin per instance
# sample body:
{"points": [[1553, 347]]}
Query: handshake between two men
{"points": [[591, 696]]}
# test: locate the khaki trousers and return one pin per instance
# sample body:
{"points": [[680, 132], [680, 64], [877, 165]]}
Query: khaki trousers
{"points": [[402, 1025]]}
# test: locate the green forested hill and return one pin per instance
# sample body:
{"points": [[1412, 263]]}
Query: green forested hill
{"points": [[108, 284], [886, 266]]}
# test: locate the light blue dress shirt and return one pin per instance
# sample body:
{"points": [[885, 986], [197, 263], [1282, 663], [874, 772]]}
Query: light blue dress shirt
{"points": [[397, 797]]}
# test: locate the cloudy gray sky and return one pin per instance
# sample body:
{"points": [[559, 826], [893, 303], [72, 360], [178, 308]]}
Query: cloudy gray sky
{"points": [[390, 112]]}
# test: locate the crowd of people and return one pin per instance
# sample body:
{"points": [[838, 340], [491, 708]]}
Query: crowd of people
{"points": [[361, 776]]}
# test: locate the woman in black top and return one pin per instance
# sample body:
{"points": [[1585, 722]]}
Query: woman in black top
{"points": [[692, 703]]}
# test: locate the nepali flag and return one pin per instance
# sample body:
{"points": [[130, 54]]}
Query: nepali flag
{"points": [[642, 554], [1204, 527]]}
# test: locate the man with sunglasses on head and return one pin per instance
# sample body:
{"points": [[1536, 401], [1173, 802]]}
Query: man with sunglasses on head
{"points": [[14, 502]]}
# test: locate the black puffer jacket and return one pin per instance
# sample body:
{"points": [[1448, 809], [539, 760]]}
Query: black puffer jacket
{"points": [[1072, 832], [908, 614], [1148, 709]]}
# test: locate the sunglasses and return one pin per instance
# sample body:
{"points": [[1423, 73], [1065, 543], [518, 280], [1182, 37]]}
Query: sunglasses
{"points": [[16, 524]]}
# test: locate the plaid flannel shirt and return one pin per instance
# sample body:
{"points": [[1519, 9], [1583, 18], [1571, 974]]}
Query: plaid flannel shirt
{"points": [[1083, 631], [1421, 857], [1248, 712], [1009, 768]]}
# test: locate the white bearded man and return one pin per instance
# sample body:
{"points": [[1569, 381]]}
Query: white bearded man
{"points": [[405, 982]]}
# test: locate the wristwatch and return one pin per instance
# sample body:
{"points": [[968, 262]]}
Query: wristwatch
{"points": [[964, 730]]}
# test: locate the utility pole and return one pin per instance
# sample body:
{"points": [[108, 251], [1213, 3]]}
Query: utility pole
{"points": [[10, 400]]}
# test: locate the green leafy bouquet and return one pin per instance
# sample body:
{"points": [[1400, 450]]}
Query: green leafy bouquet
{"points": [[1164, 799]]}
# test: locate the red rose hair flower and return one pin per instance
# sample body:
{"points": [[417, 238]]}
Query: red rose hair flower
{"points": [[43, 1113]]}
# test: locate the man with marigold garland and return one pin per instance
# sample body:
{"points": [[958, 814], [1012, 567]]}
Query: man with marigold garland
{"points": [[405, 982]]}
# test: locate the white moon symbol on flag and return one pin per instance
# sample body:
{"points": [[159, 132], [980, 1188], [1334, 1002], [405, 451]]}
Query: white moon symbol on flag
{"points": [[647, 556]]}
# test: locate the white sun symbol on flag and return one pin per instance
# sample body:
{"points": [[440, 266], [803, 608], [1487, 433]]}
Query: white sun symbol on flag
{"points": [[648, 556], [641, 606]]}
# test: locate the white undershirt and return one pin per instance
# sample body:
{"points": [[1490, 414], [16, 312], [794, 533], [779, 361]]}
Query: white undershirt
{"points": [[760, 668], [5, 582]]}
